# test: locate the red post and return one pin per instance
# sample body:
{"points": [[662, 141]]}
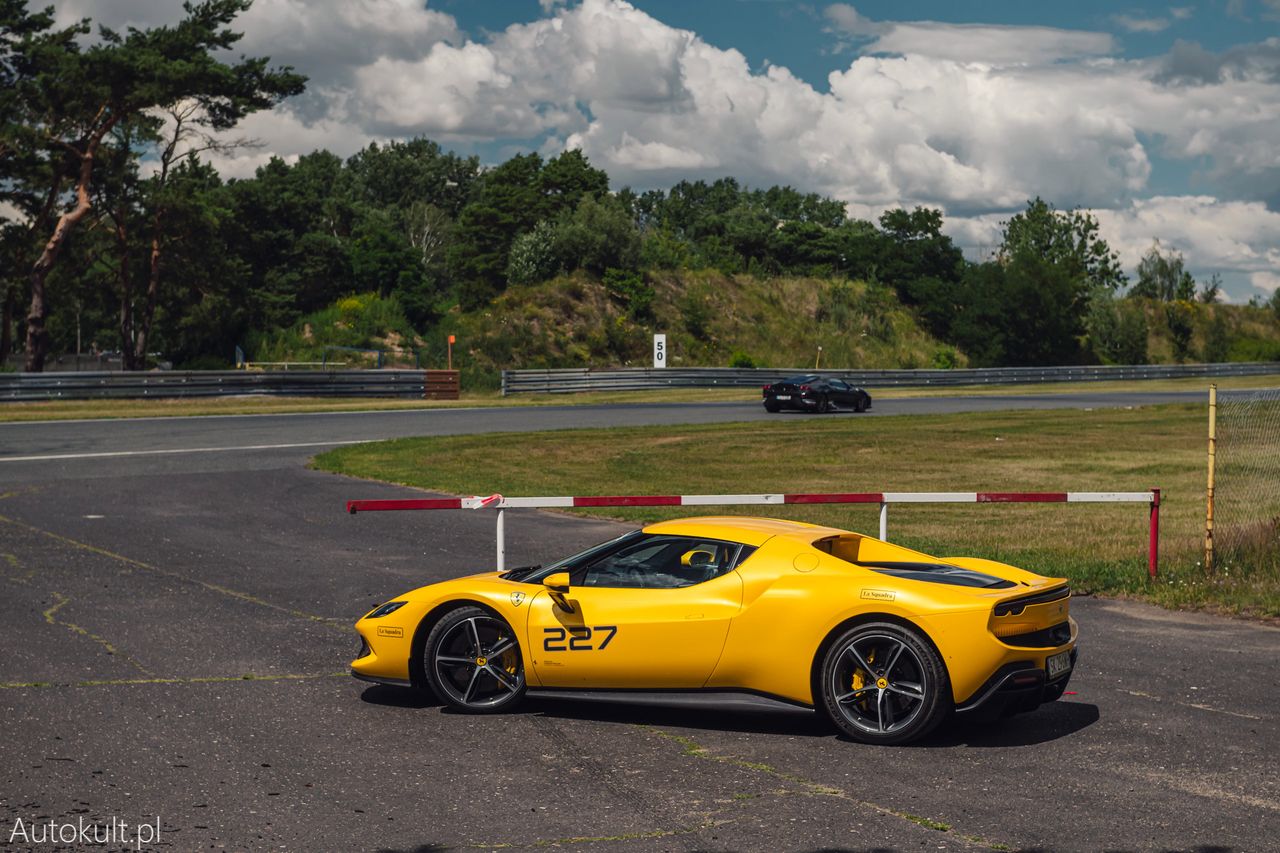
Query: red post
{"points": [[1154, 550]]}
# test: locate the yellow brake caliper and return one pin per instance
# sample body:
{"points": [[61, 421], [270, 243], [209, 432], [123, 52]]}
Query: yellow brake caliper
{"points": [[860, 677]]}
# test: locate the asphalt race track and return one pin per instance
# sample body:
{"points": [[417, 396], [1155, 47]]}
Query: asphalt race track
{"points": [[177, 632]]}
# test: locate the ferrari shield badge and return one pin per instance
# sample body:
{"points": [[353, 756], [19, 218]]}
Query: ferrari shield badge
{"points": [[516, 598]]}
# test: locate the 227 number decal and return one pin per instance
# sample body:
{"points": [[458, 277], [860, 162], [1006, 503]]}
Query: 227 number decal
{"points": [[578, 639]]}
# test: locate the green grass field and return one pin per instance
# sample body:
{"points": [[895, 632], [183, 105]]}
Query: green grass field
{"points": [[92, 409], [1101, 547]]}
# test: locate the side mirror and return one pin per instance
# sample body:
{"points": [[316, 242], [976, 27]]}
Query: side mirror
{"points": [[695, 559], [557, 586]]}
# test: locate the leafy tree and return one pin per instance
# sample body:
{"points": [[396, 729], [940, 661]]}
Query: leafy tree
{"points": [[292, 227], [1024, 311], [507, 202], [914, 247], [533, 255], [399, 175], [1116, 329], [1162, 277], [565, 179], [1068, 240], [597, 235], [661, 248], [72, 99], [1212, 290]]}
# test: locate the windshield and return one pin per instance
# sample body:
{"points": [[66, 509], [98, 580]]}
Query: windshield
{"points": [[799, 380]]}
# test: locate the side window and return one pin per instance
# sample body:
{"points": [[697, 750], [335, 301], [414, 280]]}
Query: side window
{"points": [[662, 562], [839, 385]]}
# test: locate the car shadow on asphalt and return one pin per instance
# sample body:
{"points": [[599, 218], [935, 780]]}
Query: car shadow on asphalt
{"points": [[1048, 723], [398, 697]]}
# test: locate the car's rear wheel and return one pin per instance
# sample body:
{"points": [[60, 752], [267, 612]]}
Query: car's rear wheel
{"points": [[824, 405], [884, 683], [472, 661], [771, 407]]}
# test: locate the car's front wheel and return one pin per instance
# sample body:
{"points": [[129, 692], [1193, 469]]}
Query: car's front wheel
{"points": [[884, 683], [472, 661]]}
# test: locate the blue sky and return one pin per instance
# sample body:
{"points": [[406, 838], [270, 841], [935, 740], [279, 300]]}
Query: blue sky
{"points": [[1159, 118]]}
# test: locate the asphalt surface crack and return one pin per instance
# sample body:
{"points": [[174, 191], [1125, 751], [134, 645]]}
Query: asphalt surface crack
{"points": [[816, 789], [1197, 705], [14, 571], [61, 601], [336, 624]]}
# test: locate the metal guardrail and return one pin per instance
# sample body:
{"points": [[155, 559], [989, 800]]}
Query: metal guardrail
{"points": [[430, 384], [566, 381]]}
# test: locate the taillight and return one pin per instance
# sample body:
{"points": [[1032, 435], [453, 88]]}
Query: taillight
{"points": [[767, 387], [804, 387]]}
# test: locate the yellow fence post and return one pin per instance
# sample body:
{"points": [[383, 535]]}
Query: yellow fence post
{"points": [[1213, 442]]}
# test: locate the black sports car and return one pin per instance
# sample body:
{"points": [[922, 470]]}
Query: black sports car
{"points": [[813, 393]]}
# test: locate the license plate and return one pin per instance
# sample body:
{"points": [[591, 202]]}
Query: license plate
{"points": [[783, 397], [1058, 664]]}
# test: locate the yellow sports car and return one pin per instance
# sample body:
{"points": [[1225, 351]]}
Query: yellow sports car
{"points": [[886, 641]]}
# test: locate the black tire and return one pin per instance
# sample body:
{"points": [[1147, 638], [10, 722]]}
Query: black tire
{"points": [[824, 405], [863, 402], [473, 663], [899, 698], [771, 407]]}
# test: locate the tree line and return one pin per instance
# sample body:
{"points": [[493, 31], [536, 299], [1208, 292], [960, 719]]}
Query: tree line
{"points": [[121, 233]]}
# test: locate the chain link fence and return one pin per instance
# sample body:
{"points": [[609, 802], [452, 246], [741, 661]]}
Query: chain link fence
{"points": [[1247, 492]]}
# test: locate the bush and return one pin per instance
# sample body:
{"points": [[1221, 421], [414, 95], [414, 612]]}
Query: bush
{"points": [[1254, 349], [945, 358], [1180, 316], [630, 288], [838, 305], [696, 312], [741, 359], [1217, 339], [1117, 329]]}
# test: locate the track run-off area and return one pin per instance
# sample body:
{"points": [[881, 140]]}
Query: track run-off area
{"points": [[178, 594]]}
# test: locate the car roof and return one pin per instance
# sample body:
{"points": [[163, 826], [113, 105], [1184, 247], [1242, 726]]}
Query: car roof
{"points": [[740, 528]]}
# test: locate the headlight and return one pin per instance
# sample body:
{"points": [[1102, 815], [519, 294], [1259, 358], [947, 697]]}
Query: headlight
{"points": [[384, 609]]}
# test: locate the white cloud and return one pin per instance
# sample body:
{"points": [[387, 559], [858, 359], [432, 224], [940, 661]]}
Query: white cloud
{"points": [[1268, 281], [846, 19], [981, 43], [1141, 25], [994, 45]]}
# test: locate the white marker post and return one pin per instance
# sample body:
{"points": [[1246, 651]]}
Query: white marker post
{"points": [[659, 350]]}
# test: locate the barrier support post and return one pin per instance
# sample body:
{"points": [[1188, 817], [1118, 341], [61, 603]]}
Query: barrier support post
{"points": [[502, 544], [1153, 552], [884, 521], [1213, 452]]}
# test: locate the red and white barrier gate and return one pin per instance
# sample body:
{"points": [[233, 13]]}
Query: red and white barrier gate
{"points": [[501, 503]]}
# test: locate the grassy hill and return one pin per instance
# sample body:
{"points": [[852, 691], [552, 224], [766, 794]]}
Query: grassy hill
{"points": [[710, 319]]}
